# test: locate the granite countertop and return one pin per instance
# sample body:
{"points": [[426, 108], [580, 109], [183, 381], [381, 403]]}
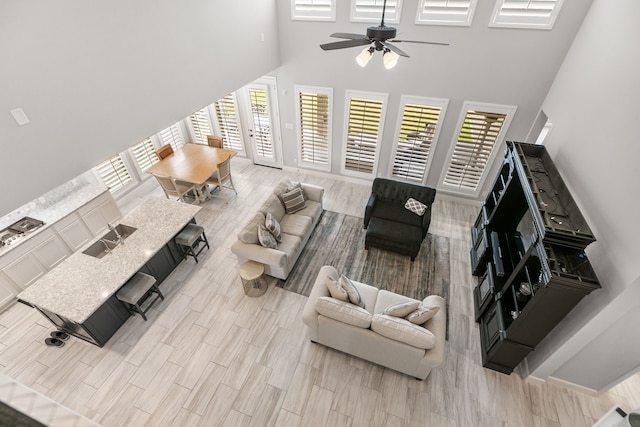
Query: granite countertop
{"points": [[79, 285], [51, 213]]}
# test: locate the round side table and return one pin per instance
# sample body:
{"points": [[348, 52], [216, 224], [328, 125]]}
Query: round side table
{"points": [[253, 281]]}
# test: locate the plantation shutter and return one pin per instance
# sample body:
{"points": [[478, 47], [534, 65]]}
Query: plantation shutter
{"points": [[144, 154], [313, 10], [475, 143], [200, 125], [314, 128], [415, 141], [446, 12], [227, 118], [173, 136], [526, 13], [371, 10], [114, 173], [362, 135], [261, 119]]}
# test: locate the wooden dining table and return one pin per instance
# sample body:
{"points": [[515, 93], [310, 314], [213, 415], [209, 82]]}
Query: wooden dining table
{"points": [[193, 163]]}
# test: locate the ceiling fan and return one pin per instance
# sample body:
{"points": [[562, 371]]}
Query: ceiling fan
{"points": [[379, 38]]}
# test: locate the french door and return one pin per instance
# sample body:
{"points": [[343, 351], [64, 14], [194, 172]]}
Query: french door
{"points": [[261, 117]]}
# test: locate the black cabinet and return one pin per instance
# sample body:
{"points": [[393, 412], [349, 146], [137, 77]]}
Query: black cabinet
{"points": [[528, 255]]}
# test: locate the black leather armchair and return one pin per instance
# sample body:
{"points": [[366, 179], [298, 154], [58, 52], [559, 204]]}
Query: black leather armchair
{"points": [[392, 227]]}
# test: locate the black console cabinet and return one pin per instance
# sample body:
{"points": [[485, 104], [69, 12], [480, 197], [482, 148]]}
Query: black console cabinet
{"points": [[528, 255]]}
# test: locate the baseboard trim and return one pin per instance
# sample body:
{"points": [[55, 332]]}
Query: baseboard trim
{"points": [[572, 386]]}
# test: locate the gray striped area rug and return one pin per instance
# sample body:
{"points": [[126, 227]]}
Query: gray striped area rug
{"points": [[338, 240]]}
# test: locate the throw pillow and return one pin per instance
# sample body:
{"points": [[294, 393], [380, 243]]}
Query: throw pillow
{"points": [[422, 314], [293, 200], [273, 226], [343, 312], [415, 206], [266, 238], [404, 331], [336, 290], [401, 309], [352, 291], [249, 234]]}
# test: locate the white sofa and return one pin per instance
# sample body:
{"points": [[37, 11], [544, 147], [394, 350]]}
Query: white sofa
{"points": [[296, 229], [355, 338]]}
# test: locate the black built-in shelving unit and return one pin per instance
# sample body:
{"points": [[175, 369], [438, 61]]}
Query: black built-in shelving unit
{"points": [[528, 254]]}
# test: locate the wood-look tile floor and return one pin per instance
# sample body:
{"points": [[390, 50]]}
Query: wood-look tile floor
{"points": [[211, 356]]}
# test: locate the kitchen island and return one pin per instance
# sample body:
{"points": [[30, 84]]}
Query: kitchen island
{"points": [[78, 295]]}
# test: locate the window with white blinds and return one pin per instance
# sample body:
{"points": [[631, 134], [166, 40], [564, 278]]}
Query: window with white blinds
{"points": [[172, 135], [144, 154], [371, 11], [365, 117], [540, 14], [313, 110], [228, 122], [261, 118], [313, 10], [417, 134], [482, 128], [200, 126], [114, 173], [446, 12]]}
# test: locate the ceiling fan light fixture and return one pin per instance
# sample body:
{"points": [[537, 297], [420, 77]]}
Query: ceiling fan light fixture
{"points": [[364, 57], [390, 59]]}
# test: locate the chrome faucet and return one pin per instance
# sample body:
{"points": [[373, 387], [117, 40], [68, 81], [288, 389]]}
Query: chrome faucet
{"points": [[106, 245], [119, 238]]}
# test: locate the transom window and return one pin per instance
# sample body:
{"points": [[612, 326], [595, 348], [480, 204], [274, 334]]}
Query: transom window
{"points": [[418, 129], [313, 108], [481, 129], [537, 14], [365, 116], [313, 10], [446, 12], [371, 11]]}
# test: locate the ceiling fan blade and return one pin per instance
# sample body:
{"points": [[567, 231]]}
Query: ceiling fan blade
{"points": [[345, 43], [349, 36], [393, 48], [416, 41]]}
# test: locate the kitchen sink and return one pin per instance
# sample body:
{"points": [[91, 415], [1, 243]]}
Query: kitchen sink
{"points": [[123, 230], [109, 241]]}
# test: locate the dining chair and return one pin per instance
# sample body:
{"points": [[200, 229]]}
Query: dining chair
{"points": [[175, 188], [222, 179], [164, 151], [214, 141]]}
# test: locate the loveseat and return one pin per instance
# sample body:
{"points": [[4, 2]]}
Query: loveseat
{"points": [[368, 334], [295, 230], [397, 216]]}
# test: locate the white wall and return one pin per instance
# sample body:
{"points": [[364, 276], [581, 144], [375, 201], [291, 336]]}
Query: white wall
{"points": [[482, 64], [97, 77], [593, 106]]}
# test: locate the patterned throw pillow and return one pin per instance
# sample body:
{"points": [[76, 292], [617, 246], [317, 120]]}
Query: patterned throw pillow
{"points": [[352, 291], [266, 238], [422, 314], [415, 206], [401, 309], [293, 200], [273, 226]]}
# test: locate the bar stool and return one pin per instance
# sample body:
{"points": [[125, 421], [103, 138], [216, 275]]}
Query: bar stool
{"points": [[190, 237], [132, 293]]}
